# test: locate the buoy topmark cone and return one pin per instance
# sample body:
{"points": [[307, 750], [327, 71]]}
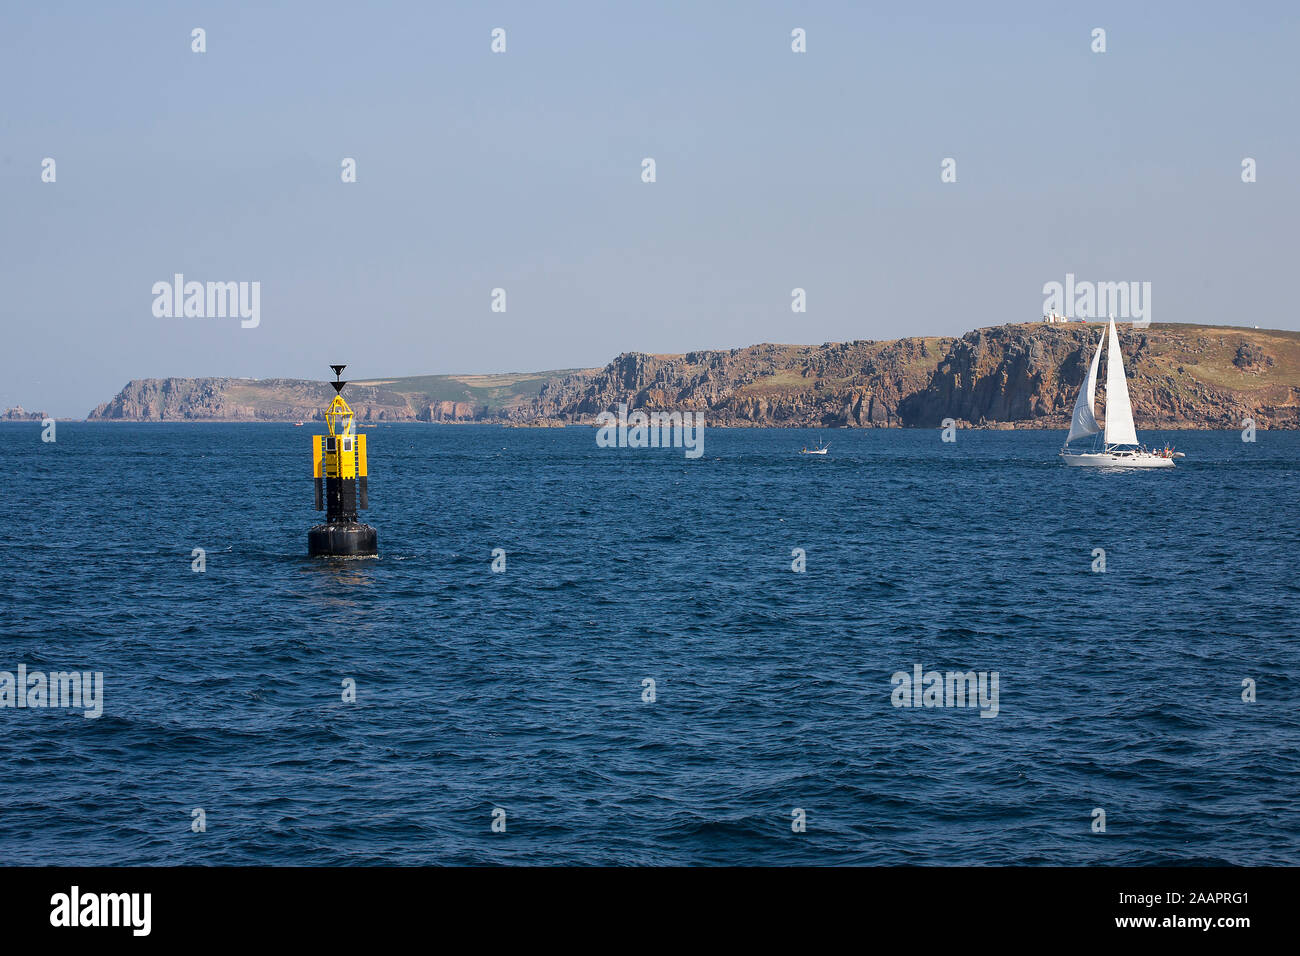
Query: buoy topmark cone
{"points": [[339, 468]]}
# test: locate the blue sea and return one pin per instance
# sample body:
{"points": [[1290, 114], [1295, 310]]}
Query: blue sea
{"points": [[522, 696]]}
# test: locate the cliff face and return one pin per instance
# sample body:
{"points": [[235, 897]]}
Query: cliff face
{"points": [[1013, 375], [20, 414], [1178, 376], [849, 383], [234, 399], [449, 412], [425, 398]]}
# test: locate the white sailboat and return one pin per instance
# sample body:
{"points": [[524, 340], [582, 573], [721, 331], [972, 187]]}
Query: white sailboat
{"points": [[1119, 447], [819, 450]]}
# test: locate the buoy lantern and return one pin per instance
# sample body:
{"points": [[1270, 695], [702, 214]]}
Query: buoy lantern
{"points": [[339, 468]]}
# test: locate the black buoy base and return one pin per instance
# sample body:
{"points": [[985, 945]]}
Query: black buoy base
{"points": [[343, 539]]}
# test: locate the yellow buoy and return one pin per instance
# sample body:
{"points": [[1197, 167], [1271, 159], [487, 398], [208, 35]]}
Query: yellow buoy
{"points": [[339, 471]]}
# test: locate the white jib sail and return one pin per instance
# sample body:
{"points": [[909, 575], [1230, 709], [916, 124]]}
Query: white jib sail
{"points": [[1084, 422], [1119, 411]]}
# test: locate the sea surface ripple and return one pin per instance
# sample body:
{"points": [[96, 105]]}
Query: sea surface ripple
{"points": [[523, 690]]}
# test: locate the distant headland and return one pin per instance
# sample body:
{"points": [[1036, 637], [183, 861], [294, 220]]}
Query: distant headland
{"points": [[20, 414], [1009, 376]]}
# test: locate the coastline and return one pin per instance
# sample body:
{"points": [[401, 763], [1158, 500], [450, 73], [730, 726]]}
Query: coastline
{"points": [[1014, 376]]}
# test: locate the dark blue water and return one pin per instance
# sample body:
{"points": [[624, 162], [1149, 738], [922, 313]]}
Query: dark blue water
{"points": [[523, 690]]}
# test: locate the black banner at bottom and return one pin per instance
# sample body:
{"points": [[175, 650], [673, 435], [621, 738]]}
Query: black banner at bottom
{"points": [[335, 906]]}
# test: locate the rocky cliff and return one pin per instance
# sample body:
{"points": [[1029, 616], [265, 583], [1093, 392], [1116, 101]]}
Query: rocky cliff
{"points": [[1024, 375], [859, 384], [1178, 376], [20, 414], [430, 398], [234, 399]]}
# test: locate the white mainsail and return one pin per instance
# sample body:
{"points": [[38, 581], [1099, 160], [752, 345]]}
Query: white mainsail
{"points": [[1084, 422], [1119, 411]]}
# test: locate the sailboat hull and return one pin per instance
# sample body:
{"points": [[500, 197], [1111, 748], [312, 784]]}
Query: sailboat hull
{"points": [[1117, 459]]}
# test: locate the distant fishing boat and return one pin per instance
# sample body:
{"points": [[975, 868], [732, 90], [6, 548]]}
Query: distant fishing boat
{"points": [[819, 450], [298, 424], [1119, 445]]}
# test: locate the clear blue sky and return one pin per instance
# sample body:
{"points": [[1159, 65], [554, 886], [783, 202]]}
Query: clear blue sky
{"points": [[522, 171]]}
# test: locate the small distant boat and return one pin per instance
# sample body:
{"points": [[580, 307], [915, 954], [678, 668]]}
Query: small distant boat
{"points": [[819, 450], [1119, 446], [298, 424]]}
